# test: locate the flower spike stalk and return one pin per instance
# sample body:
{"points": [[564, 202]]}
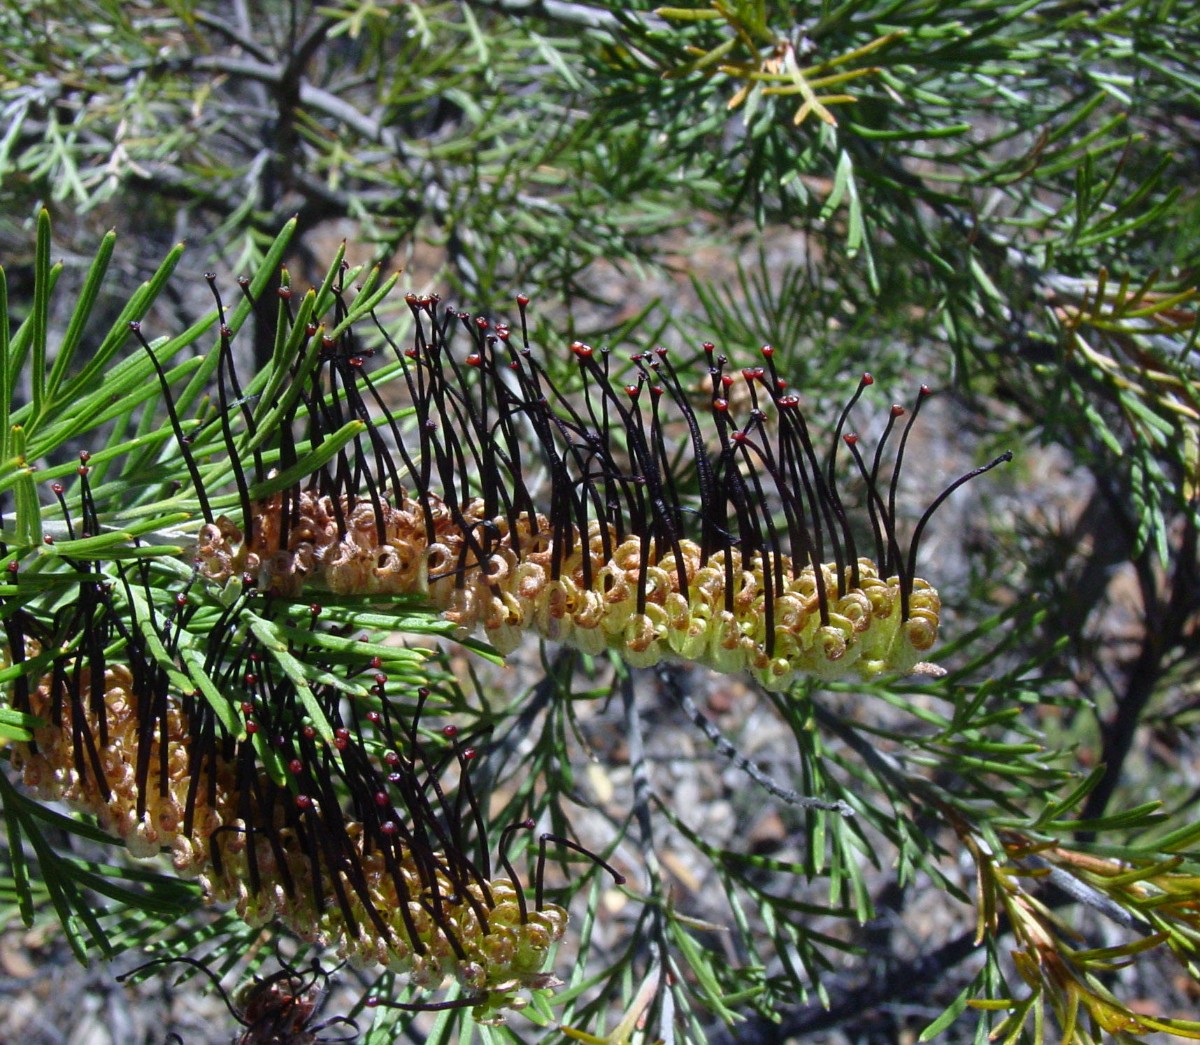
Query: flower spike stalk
{"points": [[754, 569]]}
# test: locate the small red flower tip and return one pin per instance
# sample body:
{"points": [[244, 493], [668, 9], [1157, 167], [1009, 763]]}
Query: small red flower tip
{"points": [[303, 803], [310, 732], [470, 753], [392, 758], [388, 827], [56, 487], [867, 379], [251, 727], [374, 717], [522, 300], [926, 390], [247, 707], [721, 405], [181, 599], [13, 567], [474, 359], [48, 538], [85, 456], [632, 391], [768, 351], [315, 609], [250, 679], [851, 439], [285, 293], [709, 347], [381, 799], [897, 410], [295, 766], [450, 732]]}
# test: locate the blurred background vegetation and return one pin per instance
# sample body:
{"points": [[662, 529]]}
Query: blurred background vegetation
{"points": [[994, 198]]}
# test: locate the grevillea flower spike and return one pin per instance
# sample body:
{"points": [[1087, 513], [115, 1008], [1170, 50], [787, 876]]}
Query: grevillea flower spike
{"points": [[756, 568]]}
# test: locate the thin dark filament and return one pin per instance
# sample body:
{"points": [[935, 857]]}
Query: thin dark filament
{"points": [[875, 502], [883, 552], [922, 395], [618, 878], [1004, 458], [184, 448], [502, 855]]}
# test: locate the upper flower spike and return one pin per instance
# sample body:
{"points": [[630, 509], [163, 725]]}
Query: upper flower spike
{"points": [[738, 553]]}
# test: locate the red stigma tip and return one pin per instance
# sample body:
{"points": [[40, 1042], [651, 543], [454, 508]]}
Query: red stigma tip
{"points": [[450, 732], [522, 300], [768, 351], [303, 803], [867, 379]]}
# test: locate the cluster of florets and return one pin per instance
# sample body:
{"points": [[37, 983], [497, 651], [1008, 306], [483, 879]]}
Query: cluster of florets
{"points": [[67, 762], [647, 606], [755, 571], [373, 902]]}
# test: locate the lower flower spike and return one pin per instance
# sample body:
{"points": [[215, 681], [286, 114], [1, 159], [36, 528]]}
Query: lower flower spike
{"points": [[377, 892]]}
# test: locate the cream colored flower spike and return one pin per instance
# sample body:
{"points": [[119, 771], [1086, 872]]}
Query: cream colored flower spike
{"points": [[624, 517]]}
